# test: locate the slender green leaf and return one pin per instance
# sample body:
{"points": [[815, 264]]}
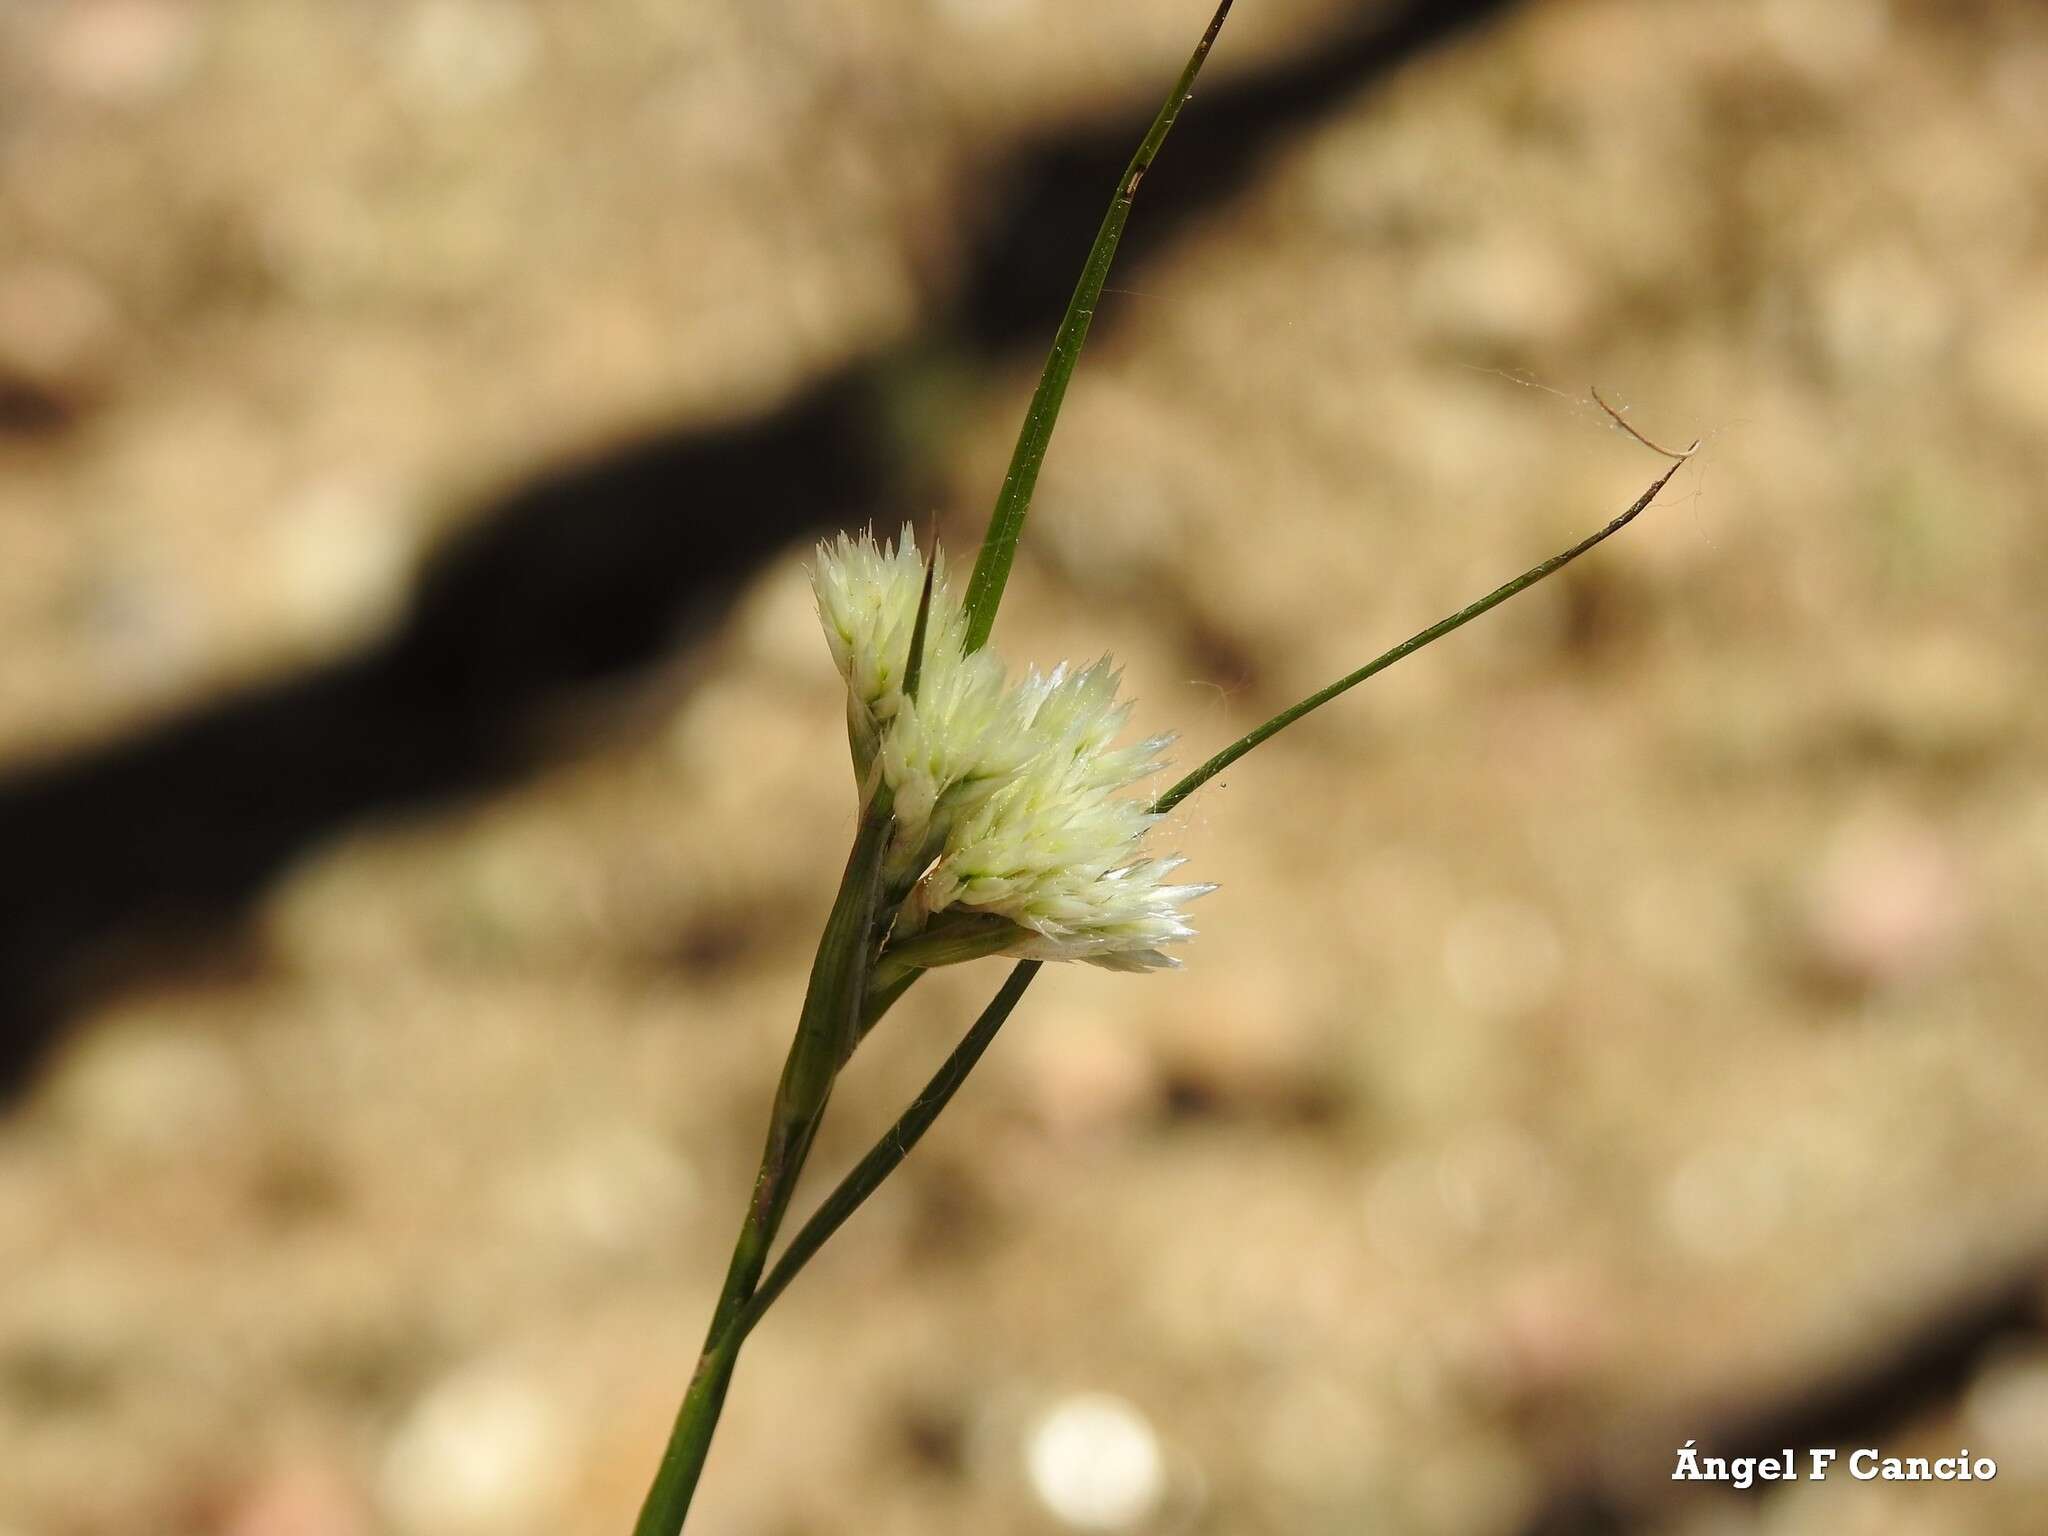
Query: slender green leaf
{"points": [[1006, 523], [830, 1024], [1408, 647]]}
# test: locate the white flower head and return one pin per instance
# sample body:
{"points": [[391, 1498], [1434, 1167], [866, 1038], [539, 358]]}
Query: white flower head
{"points": [[867, 599], [945, 750], [1016, 829], [1055, 851]]}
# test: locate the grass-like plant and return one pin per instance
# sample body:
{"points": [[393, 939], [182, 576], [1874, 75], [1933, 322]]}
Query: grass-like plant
{"points": [[997, 819]]}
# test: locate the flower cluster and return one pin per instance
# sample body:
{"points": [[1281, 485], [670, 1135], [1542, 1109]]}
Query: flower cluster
{"points": [[1015, 829]]}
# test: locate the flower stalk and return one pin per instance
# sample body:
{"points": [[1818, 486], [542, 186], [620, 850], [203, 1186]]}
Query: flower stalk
{"points": [[997, 820], [843, 1001], [828, 1028], [829, 1022]]}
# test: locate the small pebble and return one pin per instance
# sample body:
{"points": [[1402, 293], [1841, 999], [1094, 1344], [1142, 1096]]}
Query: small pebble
{"points": [[343, 556], [151, 1087], [299, 1498], [1887, 904], [124, 52], [2007, 1407], [609, 1191], [1096, 1464], [59, 334], [459, 53], [484, 1451]]}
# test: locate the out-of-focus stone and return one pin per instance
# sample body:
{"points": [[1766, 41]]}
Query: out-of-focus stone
{"points": [[483, 1453], [1726, 1202], [2007, 1407], [1883, 315], [1251, 1041], [1549, 1333], [1519, 292], [1495, 1178], [1087, 1077], [59, 336], [981, 13], [1888, 904], [146, 1086], [1948, 696], [1095, 1462], [125, 52], [1829, 42], [607, 1191], [458, 53], [2009, 357], [298, 1498], [776, 626], [344, 554]]}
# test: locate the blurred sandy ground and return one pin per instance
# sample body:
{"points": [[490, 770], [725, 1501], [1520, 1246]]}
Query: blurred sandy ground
{"points": [[1624, 1017]]}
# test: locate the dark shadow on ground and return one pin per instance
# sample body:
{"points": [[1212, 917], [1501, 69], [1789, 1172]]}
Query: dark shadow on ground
{"points": [[122, 856]]}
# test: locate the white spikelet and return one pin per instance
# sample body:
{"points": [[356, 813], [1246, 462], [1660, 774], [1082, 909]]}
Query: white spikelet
{"points": [[1017, 831], [1056, 852]]}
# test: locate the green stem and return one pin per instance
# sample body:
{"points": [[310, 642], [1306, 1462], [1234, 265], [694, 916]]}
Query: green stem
{"points": [[668, 1501], [882, 996], [837, 1008], [884, 1157], [1006, 523], [831, 1018]]}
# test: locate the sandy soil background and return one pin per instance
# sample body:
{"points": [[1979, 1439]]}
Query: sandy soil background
{"points": [[1618, 1026]]}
